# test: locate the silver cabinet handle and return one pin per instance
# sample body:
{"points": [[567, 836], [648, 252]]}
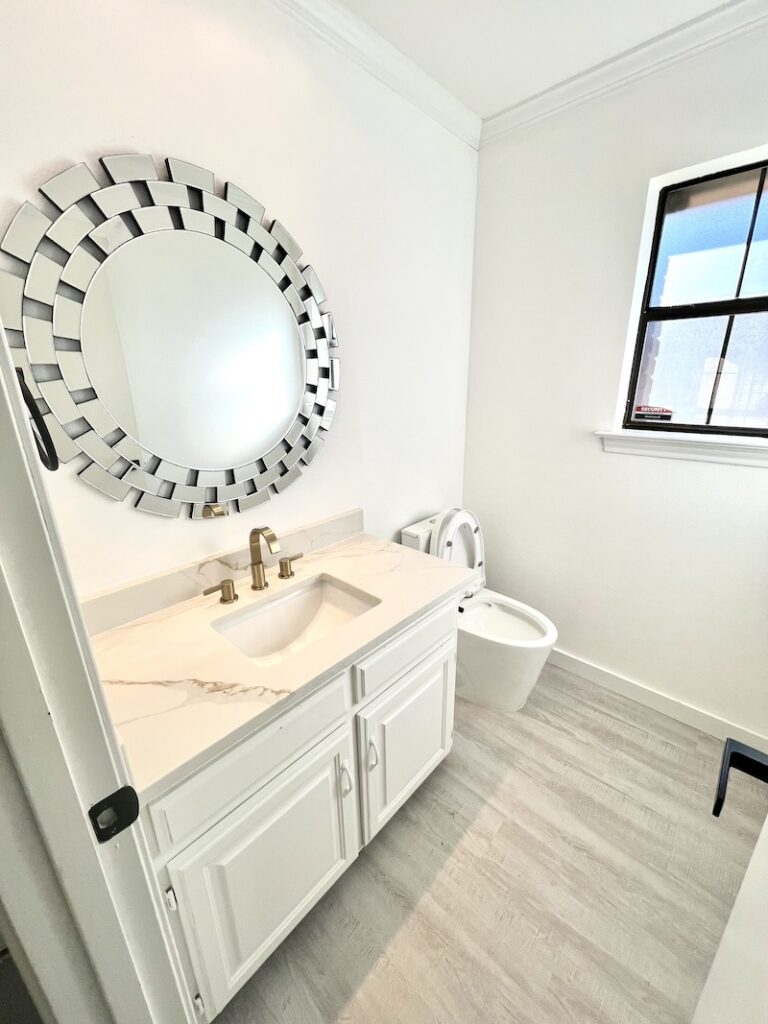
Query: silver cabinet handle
{"points": [[345, 774], [373, 755]]}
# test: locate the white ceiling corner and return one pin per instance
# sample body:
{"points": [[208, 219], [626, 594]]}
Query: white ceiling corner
{"points": [[483, 68], [351, 36]]}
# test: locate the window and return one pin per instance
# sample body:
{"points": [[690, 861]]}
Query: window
{"points": [[700, 361]]}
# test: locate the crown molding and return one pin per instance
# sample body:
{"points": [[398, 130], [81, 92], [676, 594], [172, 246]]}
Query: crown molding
{"points": [[350, 36], [711, 29]]}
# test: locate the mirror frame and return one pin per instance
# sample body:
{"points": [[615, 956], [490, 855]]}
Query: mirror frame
{"points": [[42, 311]]}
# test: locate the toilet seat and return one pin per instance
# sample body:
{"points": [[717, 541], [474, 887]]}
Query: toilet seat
{"points": [[504, 620], [457, 537]]}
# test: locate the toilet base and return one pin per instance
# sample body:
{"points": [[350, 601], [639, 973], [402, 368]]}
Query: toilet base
{"points": [[495, 675]]}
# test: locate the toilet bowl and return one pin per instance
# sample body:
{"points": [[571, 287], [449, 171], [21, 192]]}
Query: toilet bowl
{"points": [[503, 643]]}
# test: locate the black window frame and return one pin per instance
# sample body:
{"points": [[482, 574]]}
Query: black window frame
{"points": [[725, 307]]}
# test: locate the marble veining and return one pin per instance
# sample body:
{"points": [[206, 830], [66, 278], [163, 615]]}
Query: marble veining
{"points": [[207, 686], [197, 691], [178, 691]]}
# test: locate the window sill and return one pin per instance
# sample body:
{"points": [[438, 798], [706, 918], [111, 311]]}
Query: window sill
{"points": [[692, 447]]}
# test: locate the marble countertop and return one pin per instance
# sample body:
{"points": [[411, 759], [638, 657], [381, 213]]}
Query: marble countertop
{"points": [[178, 691]]}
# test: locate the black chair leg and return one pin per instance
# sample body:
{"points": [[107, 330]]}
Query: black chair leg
{"points": [[744, 759]]}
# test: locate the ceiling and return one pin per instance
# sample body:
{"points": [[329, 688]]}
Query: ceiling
{"points": [[493, 54]]}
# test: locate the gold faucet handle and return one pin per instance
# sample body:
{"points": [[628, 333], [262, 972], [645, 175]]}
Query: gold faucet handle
{"points": [[227, 588], [286, 566]]}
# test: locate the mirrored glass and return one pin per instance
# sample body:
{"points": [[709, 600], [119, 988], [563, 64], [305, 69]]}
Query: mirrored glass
{"points": [[193, 349], [703, 240]]}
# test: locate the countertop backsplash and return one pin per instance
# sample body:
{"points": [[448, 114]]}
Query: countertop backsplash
{"points": [[125, 603]]}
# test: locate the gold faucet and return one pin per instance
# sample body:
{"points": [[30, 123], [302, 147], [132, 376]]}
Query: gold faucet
{"points": [[258, 575], [228, 593]]}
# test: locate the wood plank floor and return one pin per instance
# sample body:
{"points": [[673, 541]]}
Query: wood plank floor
{"points": [[562, 865]]}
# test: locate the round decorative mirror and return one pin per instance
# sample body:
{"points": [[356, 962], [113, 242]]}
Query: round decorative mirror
{"points": [[181, 349]]}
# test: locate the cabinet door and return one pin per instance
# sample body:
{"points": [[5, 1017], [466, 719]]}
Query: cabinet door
{"points": [[404, 734], [250, 879]]}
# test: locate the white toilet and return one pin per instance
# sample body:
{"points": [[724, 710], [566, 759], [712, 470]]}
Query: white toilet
{"points": [[503, 644]]}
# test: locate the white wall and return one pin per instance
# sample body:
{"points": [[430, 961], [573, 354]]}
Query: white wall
{"points": [[654, 569], [380, 197]]}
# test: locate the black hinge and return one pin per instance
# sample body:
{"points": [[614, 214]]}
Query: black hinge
{"points": [[114, 813]]}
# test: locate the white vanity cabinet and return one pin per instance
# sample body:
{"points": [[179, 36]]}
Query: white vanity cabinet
{"points": [[246, 882], [298, 799], [403, 736]]}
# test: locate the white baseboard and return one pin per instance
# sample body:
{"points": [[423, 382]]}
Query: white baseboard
{"points": [[642, 694]]}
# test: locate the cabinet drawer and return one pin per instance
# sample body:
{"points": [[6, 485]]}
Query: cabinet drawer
{"points": [[396, 656], [205, 798]]}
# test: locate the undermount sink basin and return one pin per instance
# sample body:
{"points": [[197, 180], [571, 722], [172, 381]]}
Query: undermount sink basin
{"points": [[272, 629]]}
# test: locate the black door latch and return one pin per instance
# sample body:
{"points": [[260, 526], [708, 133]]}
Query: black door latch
{"points": [[745, 759], [114, 813]]}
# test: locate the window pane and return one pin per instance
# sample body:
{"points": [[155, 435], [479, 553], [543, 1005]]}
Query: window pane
{"points": [[703, 240], [677, 372], [756, 273], [742, 394]]}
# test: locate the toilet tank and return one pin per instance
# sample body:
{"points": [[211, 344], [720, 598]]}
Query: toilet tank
{"points": [[418, 535]]}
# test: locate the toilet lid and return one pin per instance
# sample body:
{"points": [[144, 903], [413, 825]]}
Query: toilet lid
{"points": [[457, 537]]}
